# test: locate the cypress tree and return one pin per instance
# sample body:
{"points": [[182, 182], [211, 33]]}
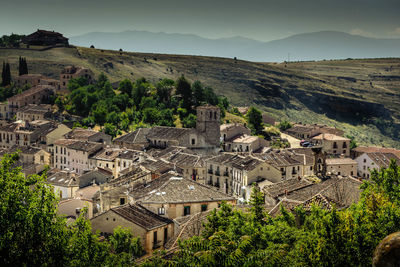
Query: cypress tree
{"points": [[7, 75], [20, 68], [3, 73]]}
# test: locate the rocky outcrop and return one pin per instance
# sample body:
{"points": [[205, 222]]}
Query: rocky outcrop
{"points": [[387, 253]]}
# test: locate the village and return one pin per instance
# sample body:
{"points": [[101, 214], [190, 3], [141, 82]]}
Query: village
{"points": [[161, 182]]}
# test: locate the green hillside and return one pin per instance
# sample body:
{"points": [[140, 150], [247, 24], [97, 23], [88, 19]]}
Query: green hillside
{"points": [[360, 96]]}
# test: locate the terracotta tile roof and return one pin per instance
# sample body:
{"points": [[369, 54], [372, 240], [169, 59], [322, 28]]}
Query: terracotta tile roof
{"points": [[35, 109], [243, 138], [281, 158], [80, 133], [180, 190], [248, 163], [285, 187], [137, 137], [62, 178], [167, 133], [331, 137], [340, 161], [363, 149], [141, 216], [87, 192], [382, 160]]}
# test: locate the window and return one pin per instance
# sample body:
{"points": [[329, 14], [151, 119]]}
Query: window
{"points": [[186, 210], [122, 201], [204, 207], [344, 151], [351, 173], [165, 235], [365, 160], [161, 211], [193, 141]]}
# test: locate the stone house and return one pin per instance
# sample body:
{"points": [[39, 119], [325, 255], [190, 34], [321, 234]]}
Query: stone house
{"points": [[230, 130], [4, 111], [308, 131], [174, 196], [39, 94], [341, 166], [33, 112], [153, 230], [45, 38], [29, 79], [333, 144], [289, 164], [245, 143], [369, 161], [247, 171], [18, 134], [72, 72], [134, 140]]}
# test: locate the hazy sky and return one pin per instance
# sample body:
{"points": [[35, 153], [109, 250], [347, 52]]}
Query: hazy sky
{"points": [[258, 19]]}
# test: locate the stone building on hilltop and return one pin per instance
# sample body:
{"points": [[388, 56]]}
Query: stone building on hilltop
{"points": [[45, 38]]}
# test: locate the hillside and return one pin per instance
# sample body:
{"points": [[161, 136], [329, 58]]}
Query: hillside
{"points": [[360, 96], [306, 46]]}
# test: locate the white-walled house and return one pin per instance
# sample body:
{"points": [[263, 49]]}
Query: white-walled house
{"points": [[368, 161]]}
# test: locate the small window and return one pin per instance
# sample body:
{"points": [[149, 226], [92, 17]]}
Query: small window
{"points": [[122, 201], [204, 207], [161, 211], [186, 210], [193, 141]]}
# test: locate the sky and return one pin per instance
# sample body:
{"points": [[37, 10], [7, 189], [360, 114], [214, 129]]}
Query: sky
{"points": [[262, 20]]}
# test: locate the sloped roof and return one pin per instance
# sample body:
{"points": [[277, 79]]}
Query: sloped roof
{"points": [[141, 216], [136, 137], [383, 159], [174, 189], [167, 133]]}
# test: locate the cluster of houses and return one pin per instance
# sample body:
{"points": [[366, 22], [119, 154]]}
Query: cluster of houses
{"points": [[160, 181]]}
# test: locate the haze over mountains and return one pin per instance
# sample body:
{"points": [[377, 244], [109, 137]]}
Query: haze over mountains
{"points": [[300, 47]]}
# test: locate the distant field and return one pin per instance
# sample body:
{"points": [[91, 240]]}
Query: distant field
{"points": [[360, 96]]}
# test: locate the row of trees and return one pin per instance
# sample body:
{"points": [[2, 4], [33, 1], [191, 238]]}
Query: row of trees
{"points": [[12, 40], [32, 234], [317, 237], [138, 103]]}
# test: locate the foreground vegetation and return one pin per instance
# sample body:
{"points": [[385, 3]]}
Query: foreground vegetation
{"points": [[31, 232]]}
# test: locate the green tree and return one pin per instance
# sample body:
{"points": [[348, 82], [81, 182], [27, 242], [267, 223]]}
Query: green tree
{"points": [[189, 121], [27, 216], [198, 93], [126, 87], [6, 74], [184, 89], [254, 118], [284, 125]]}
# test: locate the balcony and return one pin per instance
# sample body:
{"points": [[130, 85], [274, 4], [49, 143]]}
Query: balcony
{"points": [[157, 244], [217, 185], [210, 171], [217, 173], [226, 174]]}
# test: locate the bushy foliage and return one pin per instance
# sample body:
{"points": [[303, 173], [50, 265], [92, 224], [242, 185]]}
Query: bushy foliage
{"points": [[284, 125], [138, 102], [254, 119], [32, 234]]}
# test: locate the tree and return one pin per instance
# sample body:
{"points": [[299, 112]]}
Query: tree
{"points": [[189, 121], [22, 66], [198, 93], [6, 74], [284, 125], [184, 89], [27, 216], [254, 118], [164, 90], [126, 87]]}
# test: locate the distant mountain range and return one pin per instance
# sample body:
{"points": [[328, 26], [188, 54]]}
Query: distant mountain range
{"points": [[307, 46]]}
